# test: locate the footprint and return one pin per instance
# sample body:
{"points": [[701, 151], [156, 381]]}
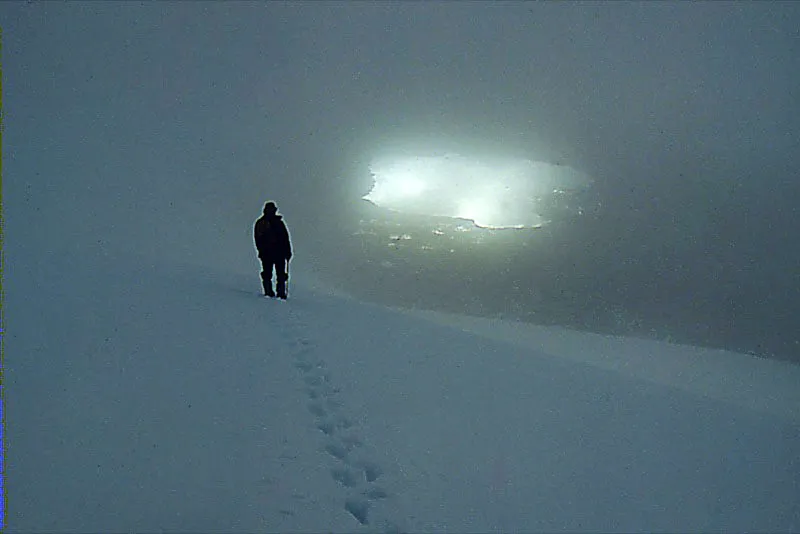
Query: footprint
{"points": [[337, 451], [375, 494], [344, 476], [341, 434], [316, 379], [304, 365], [333, 425], [344, 423], [372, 471], [313, 380], [327, 427], [358, 508], [350, 442], [317, 409], [333, 404], [302, 348]]}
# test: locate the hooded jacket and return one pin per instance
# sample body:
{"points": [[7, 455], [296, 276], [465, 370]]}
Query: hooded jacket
{"points": [[272, 238]]}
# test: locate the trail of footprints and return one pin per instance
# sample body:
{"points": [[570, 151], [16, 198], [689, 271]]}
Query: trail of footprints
{"points": [[352, 469]]}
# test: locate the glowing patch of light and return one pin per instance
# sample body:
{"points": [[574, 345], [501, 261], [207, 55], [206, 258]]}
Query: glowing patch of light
{"points": [[480, 211], [498, 193]]}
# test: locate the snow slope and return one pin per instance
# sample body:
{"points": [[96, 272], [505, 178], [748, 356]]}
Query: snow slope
{"points": [[149, 396]]}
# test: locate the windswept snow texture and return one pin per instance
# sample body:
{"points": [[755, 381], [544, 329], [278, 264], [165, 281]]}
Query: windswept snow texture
{"points": [[151, 397]]}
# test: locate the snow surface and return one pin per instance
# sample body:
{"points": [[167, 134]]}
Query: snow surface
{"points": [[145, 396]]}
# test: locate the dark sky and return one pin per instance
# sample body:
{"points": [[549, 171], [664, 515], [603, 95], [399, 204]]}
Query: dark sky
{"points": [[164, 126]]}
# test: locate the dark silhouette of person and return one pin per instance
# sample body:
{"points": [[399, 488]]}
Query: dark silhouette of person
{"points": [[274, 249]]}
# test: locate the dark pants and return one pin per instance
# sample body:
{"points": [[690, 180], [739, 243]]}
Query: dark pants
{"points": [[267, 265]]}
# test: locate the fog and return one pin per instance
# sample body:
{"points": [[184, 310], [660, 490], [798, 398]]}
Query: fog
{"points": [[188, 116]]}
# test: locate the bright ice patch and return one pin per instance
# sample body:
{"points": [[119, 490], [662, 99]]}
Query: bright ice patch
{"points": [[500, 193]]}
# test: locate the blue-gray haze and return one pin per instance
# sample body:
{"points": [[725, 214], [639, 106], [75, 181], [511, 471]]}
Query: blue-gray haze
{"points": [[162, 127]]}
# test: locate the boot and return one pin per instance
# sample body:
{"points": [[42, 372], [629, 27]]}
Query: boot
{"points": [[268, 288], [281, 289]]}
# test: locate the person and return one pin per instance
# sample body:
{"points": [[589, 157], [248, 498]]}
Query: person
{"points": [[274, 249]]}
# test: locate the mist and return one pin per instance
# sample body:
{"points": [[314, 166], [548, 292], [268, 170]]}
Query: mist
{"points": [[162, 128]]}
